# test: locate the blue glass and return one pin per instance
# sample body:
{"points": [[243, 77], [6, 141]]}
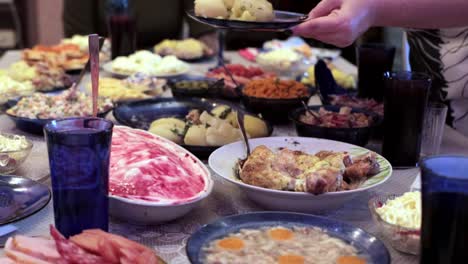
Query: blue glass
{"points": [[79, 152], [444, 237]]}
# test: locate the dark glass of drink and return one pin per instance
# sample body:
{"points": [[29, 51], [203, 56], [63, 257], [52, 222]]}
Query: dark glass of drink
{"points": [[406, 96], [122, 28], [373, 61], [444, 231], [79, 152]]}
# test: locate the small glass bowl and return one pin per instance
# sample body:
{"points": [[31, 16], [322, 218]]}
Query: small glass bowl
{"points": [[11, 160], [406, 240]]}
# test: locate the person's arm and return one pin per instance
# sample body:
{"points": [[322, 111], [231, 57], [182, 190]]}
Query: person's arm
{"points": [[340, 22]]}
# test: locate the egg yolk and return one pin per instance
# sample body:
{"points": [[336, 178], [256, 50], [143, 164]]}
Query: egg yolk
{"points": [[231, 243], [291, 259], [281, 234], [350, 260]]}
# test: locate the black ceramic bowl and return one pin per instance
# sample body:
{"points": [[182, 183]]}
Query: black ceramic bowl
{"points": [[195, 86], [36, 125], [140, 114], [274, 110], [358, 136]]}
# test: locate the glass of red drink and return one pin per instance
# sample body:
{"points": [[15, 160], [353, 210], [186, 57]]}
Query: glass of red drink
{"points": [[405, 101], [373, 59], [122, 28]]}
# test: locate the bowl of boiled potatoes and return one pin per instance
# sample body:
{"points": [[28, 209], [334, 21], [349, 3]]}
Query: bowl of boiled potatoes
{"points": [[201, 131]]}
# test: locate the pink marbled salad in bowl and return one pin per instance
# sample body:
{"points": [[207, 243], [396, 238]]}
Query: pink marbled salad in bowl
{"points": [[152, 179]]}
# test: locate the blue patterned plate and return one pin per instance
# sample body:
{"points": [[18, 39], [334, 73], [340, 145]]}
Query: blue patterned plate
{"points": [[366, 244]]}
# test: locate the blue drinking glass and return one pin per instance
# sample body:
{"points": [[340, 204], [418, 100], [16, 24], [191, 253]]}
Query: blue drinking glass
{"points": [[79, 152], [444, 237]]}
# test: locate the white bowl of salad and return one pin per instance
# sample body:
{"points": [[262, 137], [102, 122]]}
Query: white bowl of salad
{"points": [[399, 220], [14, 149]]}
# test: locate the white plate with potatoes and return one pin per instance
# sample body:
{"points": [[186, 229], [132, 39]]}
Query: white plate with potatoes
{"points": [[211, 124]]}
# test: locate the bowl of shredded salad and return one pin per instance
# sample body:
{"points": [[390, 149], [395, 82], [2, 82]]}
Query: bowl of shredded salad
{"points": [[14, 149], [399, 219]]}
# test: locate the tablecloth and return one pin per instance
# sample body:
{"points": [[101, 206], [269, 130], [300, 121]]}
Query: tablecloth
{"points": [[169, 239]]}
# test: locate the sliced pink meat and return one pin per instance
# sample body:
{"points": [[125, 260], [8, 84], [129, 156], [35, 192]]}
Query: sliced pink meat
{"points": [[147, 167]]}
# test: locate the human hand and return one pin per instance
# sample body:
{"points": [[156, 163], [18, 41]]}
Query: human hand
{"points": [[338, 22]]}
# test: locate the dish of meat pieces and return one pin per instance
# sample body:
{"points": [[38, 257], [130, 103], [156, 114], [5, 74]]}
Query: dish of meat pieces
{"points": [[292, 170], [300, 174]]}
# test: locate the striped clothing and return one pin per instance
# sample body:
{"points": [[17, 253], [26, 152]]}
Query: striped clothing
{"points": [[443, 54]]}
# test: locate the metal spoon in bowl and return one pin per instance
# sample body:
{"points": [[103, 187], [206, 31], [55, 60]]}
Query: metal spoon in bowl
{"points": [[312, 113], [93, 42], [240, 122]]}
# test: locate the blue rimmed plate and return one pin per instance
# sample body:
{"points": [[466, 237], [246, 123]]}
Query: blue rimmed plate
{"points": [[367, 245]]}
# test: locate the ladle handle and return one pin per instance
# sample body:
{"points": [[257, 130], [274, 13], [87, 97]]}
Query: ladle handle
{"points": [[94, 63], [240, 122]]}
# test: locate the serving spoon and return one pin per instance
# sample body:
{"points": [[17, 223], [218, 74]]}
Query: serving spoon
{"points": [[310, 111], [240, 115], [93, 42]]}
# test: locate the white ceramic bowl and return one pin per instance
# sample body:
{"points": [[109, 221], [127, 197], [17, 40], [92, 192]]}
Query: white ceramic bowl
{"points": [[224, 159], [149, 212], [144, 212]]}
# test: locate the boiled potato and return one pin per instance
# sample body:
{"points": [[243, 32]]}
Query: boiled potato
{"points": [[211, 8], [170, 128], [255, 126], [247, 16], [206, 118], [219, 110], [196, 136], [262, 10], [252, 10], [166, 132], [171, 121], [229, 4], [231, 117], [224, 134]]}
